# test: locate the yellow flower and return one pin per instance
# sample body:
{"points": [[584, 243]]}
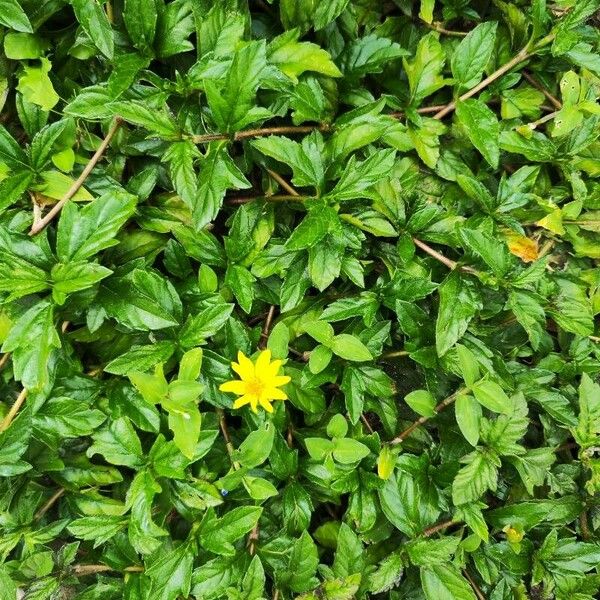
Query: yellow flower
{"points": [[258, 383]]}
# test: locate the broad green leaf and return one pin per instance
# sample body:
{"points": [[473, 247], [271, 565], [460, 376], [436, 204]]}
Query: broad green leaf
{"points": [[294, 57], [459, 303], [95, 23], [481, 126], [13, 16], [470, 58], [443, 582], [424, 70]]}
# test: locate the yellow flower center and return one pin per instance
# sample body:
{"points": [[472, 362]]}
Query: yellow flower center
{"points": [[255, 387]]}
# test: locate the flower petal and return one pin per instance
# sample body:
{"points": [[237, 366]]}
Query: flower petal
{"points": [[243, 400], [235, 386], [274, 393], [244, 367], [273, 368], [262, 362], [280, 380], [266, 405]]}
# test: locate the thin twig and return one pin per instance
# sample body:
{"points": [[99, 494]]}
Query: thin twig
{"points": [[395, 354], [283, 183], [50, 503], [82, 570], [253, 539], [251, 133], [267, 327], [228, 444], [39, 226], [274, 198], [441, 29], [584, 526], [533, 125], [366, 423], [451, 264], [14, 409], [536, 84], [475, 587], [520, 57], [439, 527], [5, 358], [422, 420]]}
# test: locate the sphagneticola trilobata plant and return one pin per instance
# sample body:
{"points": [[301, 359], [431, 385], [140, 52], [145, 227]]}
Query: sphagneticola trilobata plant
{"points": [[298, 299]]}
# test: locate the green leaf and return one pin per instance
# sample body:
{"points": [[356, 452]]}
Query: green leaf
{"points": [[204, 324], [481, 126], [468, 414], [302, 566], [231, 102], [294, 58], [459, 303], [119, 444], [359, 176], [255, 449], [490, 395], [171, 574], [319, 221], [303, 159], [98, 529], [140, 18], [218, 173], [473, 54], [349, 451], [422, 402], [180, 157], [36, 86], [13, 16], [588, 426], [443, 582], [158, 122], [19, 46], [95, 23], [369, 54], [75, 276], [424, 71], [479, 475], [350, 347], [218, 534]]}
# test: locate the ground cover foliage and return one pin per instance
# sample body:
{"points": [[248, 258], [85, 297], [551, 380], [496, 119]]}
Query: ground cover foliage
{"points": [[399, 200]]}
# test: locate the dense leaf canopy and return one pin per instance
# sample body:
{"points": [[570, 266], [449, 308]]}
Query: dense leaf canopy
{"points": [[399, 200]]}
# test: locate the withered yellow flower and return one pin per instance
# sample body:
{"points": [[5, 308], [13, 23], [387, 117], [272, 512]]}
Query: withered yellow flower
{"points": [[259, 382]]}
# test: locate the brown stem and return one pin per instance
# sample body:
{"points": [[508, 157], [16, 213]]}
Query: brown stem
{"points": [[274, 198], [422, 420], [228, 444], [439, 527], [5, 358], [267, 327], [14, 409], [40, 225], [536, 84], [394, 354], [451, 264], [519, 58], [82, 570], [253, 539], [543, 120], [441, 29], [474, 585], [50, 503], [283, 183], [366, 423], [251, 133], [584, 526]]}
